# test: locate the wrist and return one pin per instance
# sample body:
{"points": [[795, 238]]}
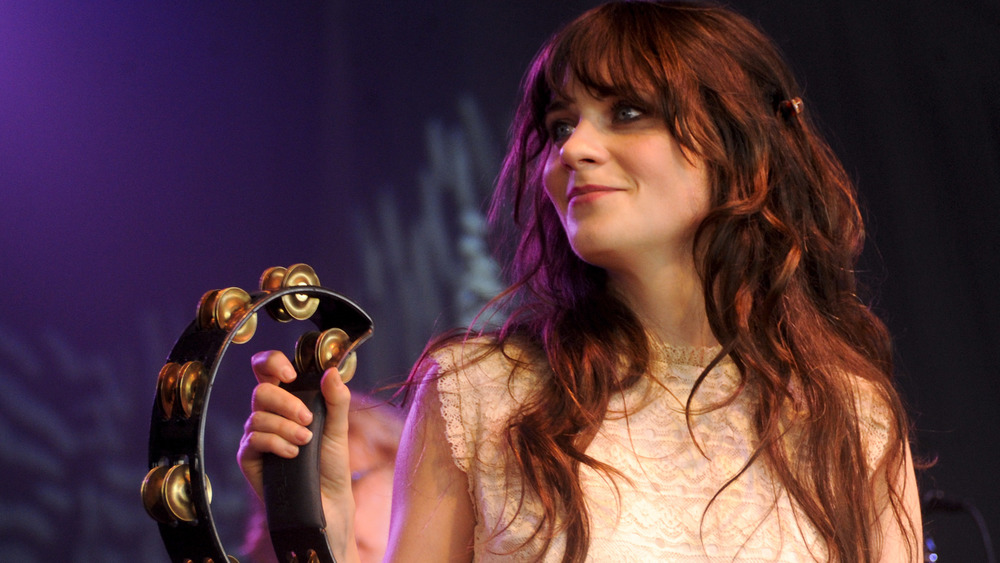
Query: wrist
{"points": [[340, 531]]}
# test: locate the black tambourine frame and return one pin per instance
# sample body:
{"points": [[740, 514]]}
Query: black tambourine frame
{"points": [[176, 441]]}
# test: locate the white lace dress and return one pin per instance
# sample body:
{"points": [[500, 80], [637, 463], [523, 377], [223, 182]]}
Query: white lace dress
{"points": [[661, 515]]}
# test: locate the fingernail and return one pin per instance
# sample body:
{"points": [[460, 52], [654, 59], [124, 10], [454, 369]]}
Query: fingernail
{"points": [[291, 450], [303, 435], [305, 416]]}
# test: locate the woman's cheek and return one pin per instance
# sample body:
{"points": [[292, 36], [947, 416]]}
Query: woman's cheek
{"points": [[555, 178]]}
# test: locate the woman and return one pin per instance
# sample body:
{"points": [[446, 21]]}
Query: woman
{"points": [[685, 372]]}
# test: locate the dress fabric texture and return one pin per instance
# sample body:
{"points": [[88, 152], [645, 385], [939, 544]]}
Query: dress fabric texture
{"points": [[659, 512]]}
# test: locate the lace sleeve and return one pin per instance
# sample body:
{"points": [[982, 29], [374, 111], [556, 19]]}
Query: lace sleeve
{"points": [[874, 422], [478, 397], [458, 405]]}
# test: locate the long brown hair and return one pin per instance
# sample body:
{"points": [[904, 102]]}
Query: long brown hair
{"points": [[776, 255]]}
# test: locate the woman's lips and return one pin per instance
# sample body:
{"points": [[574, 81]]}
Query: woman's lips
{"points": [[589, 193]]}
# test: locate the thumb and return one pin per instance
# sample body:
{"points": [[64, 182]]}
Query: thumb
{"points": [[338, 401], [335, 472], [338, 398]]}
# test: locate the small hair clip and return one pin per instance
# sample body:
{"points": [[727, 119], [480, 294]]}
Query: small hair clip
{"points": [[792, 106]]}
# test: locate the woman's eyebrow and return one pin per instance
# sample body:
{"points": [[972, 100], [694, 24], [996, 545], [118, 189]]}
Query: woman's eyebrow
{"points": [[558, 104]]}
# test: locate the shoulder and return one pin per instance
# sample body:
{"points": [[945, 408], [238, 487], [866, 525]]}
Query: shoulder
{"points": [[480, 385], [867, 406], [481, 362], [875, 419]]}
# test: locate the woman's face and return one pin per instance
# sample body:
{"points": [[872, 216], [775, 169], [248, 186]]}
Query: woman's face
{"points": [[628, 196]]}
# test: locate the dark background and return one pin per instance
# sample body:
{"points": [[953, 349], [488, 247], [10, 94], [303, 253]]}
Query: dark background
{"points": [[152, 151]]}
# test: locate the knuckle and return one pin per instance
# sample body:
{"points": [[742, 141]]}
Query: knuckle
{"points": [[253, 421]]}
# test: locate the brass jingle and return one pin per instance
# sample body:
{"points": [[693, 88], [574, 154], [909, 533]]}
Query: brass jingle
{"points": [[190, 387], [206, 309], [319, 351], [166, 387], [246, 332], [151, 498], [270, 280], [228, 306], [305, 351], [299, 306], [224, 309], [350, 365], [331, 346], [310, 557], [176, 493]]}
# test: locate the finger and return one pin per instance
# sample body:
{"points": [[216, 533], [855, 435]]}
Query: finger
{"points": [[335, 467], [254, 444], [268, 397], [272, 366], [338, 402], [269, 423]]}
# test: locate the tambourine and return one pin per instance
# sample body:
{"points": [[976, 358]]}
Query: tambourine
{"points": [[176, 491]]}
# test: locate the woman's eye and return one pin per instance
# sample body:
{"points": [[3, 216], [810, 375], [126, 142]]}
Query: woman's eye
{"points": [[626, 113], [559, 131]]}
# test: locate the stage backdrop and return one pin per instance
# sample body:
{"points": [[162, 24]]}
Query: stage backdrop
{"points": [[151, 151]]}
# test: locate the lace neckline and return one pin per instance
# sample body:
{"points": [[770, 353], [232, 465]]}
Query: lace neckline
{"points": [[694, 356]]}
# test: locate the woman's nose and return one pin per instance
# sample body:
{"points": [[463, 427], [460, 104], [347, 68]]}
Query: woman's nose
{"points": [[584, 147]]}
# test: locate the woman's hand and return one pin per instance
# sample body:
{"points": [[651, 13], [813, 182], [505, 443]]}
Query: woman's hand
{"points": [[277, 425]]}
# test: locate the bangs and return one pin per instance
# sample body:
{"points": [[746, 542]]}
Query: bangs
{"points": [[621, 54]]}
